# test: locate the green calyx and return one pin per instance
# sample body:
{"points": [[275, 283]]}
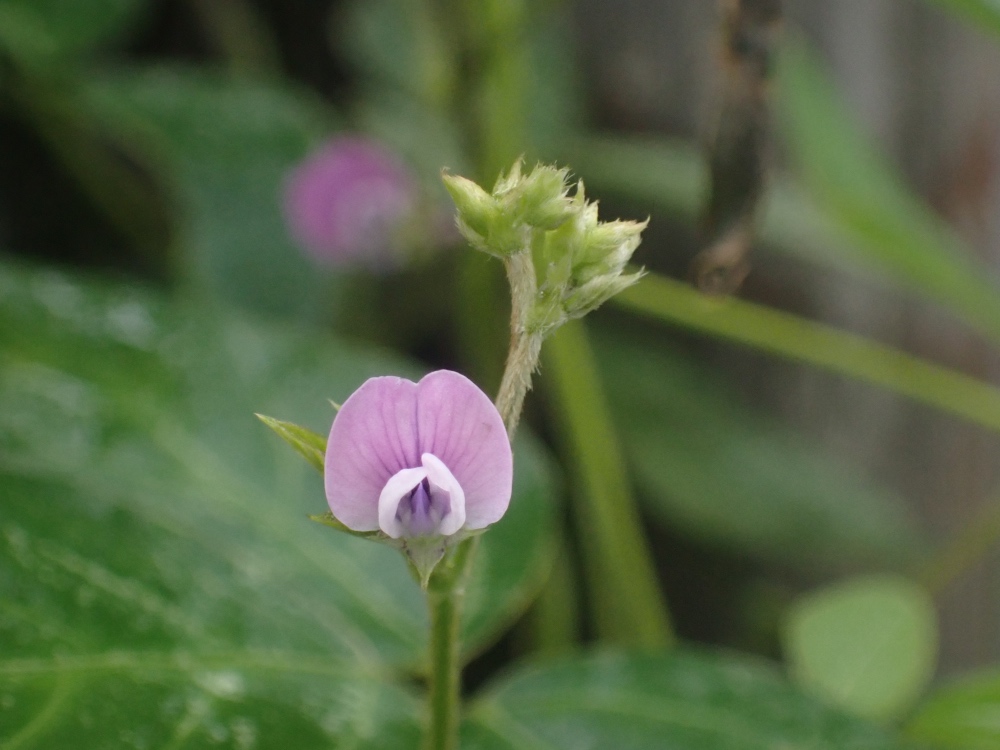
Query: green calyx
{"points": [[579, 261]]}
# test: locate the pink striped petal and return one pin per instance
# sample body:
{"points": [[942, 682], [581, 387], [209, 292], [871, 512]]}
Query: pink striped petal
{"points": [[391, 434], [458, 424], [373, 437]]}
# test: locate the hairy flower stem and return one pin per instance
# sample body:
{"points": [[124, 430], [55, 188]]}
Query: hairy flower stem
{"points": [[446, 589], [522, 358], [444, 599]]}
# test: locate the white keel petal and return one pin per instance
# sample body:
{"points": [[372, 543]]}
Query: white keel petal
{"points": [[399, 485], [439, 475]]}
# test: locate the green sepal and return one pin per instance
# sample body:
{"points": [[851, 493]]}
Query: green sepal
{"points": [[309, 444], [423, 553], [328, 519]]}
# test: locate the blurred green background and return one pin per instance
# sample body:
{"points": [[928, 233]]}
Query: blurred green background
{"points": [[804, 473]]}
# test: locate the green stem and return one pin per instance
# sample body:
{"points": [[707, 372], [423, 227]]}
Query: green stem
{"points": [[445, 674], [525, 347], [444, 600], [628, 606], [817, 344]]}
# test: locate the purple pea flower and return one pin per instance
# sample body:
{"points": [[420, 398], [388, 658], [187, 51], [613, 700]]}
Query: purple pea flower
{"points": [[421, 462], [347, 202]]}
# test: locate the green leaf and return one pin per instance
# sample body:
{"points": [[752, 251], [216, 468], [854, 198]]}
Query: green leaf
{"points": [[964, 715], [154, 537], [710, 466], [223, 147], [36, 30], [984, 13], [868, 644], [866, 198], [647, 701], [308, 444]]}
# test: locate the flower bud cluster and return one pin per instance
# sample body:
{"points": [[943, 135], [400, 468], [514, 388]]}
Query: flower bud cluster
{"points": [[582, 264], [501, 223], [580, 261]]}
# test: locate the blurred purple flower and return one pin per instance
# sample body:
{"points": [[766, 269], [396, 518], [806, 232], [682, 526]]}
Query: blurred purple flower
{"points": [[348, 201], [423, 459]]}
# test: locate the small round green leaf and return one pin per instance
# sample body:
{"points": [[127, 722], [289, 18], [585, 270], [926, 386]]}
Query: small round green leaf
{"points": [[868, 644]]}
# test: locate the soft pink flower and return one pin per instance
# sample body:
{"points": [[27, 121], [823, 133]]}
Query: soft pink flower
{"points": [[418, 460]]}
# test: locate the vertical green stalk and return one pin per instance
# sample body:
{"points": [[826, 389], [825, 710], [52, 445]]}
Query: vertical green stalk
{"points": [[445, 675], [445, 593], [628, 607]]}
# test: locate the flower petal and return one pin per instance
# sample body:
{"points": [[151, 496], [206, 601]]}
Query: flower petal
{"points": [[439, 475], [400, 485], [458, 424], [373, 437]]}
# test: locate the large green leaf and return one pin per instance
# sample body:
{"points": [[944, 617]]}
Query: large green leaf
{"points": [[224, 147], [867, 644], [157, 570], [45, 29], [681, 701], [712, 467], [964, 715]]}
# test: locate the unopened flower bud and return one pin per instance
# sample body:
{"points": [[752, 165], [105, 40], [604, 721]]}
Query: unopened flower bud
{"points": [[594, 293], [477, 210], [606, 249], [543, 202]]}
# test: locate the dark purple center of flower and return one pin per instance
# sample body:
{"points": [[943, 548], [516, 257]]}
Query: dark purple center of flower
{"points": [[422, 510]]}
